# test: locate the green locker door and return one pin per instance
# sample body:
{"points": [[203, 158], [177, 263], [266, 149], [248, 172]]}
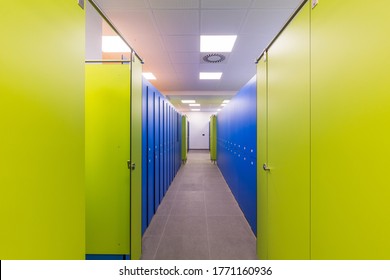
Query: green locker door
{"points": [[136, 158], [289, 141], [350, 130], [42, 188], [184, 147], [262, 157], [107, 150], [213, 138]]}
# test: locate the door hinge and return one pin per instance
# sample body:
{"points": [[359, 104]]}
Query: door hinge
{"points": [[81, 4]]}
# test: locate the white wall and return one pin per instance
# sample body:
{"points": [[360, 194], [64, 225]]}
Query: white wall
{"points": [[199, 130]]}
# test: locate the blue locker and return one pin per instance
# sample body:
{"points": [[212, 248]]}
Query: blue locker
{"points": [[161, 149], [156, 150], [144, 157], [150, 151]]}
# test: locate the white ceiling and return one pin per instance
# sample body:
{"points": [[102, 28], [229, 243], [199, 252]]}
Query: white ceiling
{"points": [[166, 34]]}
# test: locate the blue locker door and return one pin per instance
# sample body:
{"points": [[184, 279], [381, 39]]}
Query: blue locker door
{"points": [[150, 151], [166, 185], [161, 150], [156, 150], [144, 157]]}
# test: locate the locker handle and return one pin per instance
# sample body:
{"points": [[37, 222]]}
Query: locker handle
{"points": [[265, 167], [131, 165]]}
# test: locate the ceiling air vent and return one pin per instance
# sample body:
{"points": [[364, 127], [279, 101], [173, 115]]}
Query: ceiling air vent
{"points": [[214, 58]]}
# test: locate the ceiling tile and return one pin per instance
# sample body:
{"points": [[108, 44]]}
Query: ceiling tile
{"points": [[134, 22], [122, 4], [217, 22], [182, 43], [184, 57], [177, 22], [271, 4], [265, 21], [225, 4], [174, 4]]}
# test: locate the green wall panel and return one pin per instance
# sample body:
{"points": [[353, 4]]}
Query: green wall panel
{"points": [[42, 192], [107, 150], [136, 158], [213, 138], [350, 135], [289, 141], [262, 182], [184, 138]]}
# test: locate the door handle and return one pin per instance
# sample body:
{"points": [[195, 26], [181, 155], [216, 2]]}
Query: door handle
{"points": [[265, 167], [130, 165]]}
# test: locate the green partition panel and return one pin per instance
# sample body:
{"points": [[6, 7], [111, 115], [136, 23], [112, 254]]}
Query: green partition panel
{"points": [[213, 138], [184, 146], [289, 141], [42, 192], [262, 185], [350, 130], [107, 150], [136, 158]]}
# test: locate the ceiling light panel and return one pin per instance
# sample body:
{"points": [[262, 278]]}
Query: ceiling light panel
{"points": [[217, 43], [114, 44], [149, 76], [186, 101], [195, 110], [210, 75], [194, 105], [226, 101]]}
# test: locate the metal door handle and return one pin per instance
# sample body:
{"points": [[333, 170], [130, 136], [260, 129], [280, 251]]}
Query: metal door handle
{"points": [[130, 165], [265, 167]]}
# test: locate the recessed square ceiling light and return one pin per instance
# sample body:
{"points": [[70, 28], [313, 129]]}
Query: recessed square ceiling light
{"points": [[218, 110], [210, 75], [223, 104], [218, 43], [194, 105], [195, 110], [114, 44], [226, 101], [149, 76], [187, 101]]}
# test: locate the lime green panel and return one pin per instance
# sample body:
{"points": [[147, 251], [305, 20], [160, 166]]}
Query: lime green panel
{"points": [[289, 141], [262, 184], [107, 150], [350, 130], [213, 137], [184, 139], [42, 191], [136, 158]]}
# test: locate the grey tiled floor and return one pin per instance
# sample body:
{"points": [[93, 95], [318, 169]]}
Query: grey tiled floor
{"points": [[199, 218]]}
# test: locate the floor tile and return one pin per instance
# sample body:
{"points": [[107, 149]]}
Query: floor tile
{"points": [[183, 225], [183, 248]]}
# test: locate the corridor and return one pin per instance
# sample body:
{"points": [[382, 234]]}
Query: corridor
{"points": [[199, 218]]}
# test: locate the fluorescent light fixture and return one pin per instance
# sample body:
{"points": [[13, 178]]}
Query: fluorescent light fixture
{"points": [[149, 76], [195, 110], [114, 44], [194, 105], [226, 101], [223, 104], [217, 43], [210, 75], [187, 101]]}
